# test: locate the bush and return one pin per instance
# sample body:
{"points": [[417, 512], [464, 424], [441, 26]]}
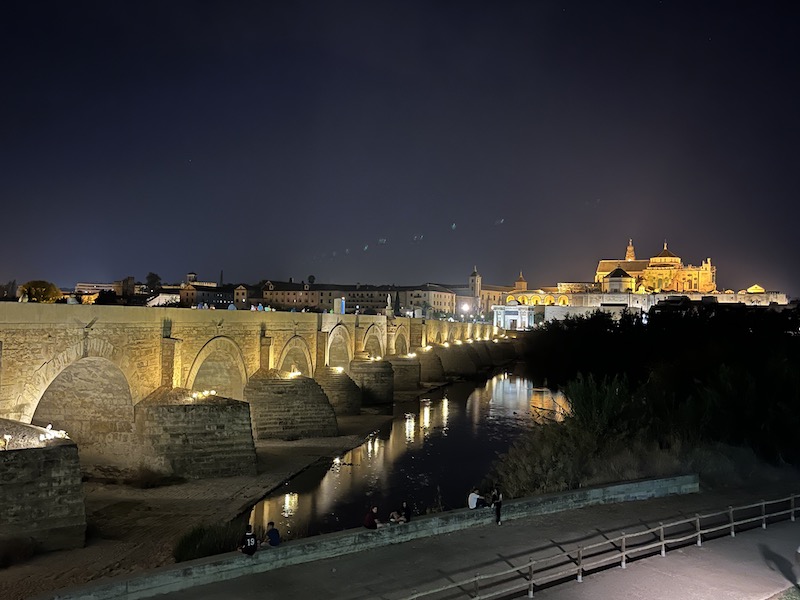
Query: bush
{"points": [[208, 540], [16, 550]]}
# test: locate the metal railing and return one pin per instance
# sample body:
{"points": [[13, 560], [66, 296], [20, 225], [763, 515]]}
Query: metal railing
{"points": [[620, 549]]}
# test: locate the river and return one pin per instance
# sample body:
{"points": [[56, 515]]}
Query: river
{"points": [[437, 448]]}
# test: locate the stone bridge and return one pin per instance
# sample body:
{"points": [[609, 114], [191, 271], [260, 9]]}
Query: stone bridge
{"points": [[184, 390]]}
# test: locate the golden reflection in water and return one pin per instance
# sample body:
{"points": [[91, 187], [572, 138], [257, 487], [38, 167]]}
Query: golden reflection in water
{"points": [[547, 405], [410, 427], [425, 424], [445, 414], [290, 502]]}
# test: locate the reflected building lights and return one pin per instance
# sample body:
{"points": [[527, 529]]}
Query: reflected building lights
{"points": [[410, 427], [290, 502], [425, 423]]}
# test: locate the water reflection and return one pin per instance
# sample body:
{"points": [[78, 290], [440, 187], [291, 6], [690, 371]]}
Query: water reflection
{"points": [[437, 448]]}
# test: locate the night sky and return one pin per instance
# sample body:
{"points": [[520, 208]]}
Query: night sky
{"points": [[397, 142]]}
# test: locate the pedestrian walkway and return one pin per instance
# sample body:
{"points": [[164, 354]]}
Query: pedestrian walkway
{"points": [[755, 564]]}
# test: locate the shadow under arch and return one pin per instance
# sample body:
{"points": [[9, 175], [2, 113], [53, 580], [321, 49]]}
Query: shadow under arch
{"points": [[296, 356], [372, 342], [219, 366], [401, 345], [340, 347], [91, 400]]}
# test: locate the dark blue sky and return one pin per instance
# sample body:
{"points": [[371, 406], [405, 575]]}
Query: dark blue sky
{"points": [[269, 138]]}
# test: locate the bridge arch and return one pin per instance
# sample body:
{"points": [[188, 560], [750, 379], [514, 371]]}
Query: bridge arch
{"points": [[295, 353], [91, 400], [340, 347], [401, 344], [372, 341], [37, 383], [219, 366]]}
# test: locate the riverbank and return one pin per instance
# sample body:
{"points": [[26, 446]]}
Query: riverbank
{"points": [[132, 530]]}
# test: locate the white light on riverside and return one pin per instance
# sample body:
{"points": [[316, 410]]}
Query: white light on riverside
{"points": [[465, 307]]}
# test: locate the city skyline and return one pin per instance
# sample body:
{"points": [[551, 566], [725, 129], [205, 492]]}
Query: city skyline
{"points": [[397, 143]]}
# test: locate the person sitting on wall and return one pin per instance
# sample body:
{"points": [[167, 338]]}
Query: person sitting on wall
{"points": [[402, 515], [248, 544], [371, 520], [273, 536], [475, 500]]}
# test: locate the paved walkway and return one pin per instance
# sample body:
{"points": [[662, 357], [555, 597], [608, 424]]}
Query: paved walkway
{"points": [[754, 565]]}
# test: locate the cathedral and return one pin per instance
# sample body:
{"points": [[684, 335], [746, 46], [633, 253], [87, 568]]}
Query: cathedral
{"points": [[623, 284], [664, 272]]}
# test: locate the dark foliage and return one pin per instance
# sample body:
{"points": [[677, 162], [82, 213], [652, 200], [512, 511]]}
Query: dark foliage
{"points": [[700, 373]]}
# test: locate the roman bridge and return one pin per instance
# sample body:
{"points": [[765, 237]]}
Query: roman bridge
{"points": [[165, 387]]}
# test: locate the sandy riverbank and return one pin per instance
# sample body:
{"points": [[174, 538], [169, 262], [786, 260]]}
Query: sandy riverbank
{"points": [[132, 529]]}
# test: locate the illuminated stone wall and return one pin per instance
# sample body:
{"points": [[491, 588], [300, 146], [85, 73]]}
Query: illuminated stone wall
{"points": [[41, 497], [202, 438]]}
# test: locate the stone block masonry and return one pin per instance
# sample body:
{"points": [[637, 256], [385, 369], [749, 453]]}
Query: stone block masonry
{"points": [[41, 496], [208, 437]]}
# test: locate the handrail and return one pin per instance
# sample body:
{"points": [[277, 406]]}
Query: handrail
{"points": [[532, 573]]}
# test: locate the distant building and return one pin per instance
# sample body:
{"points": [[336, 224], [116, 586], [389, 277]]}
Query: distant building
{"points": [[625, 284], [664, 272]]}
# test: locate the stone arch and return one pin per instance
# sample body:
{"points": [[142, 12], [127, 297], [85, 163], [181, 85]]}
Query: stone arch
{"points": [[549, 300], [563, 301], [510, 298], [296, 354], [38, 381], [373, 344], [535, 300], [219, 366], [438, 338], [91, 400], [523, 299], [340, 347], [401, 344]]}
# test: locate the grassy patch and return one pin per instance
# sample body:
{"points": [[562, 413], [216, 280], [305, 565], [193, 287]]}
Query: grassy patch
{"points": [[207, 540]]}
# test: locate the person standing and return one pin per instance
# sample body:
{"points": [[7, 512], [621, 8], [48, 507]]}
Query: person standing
{"points": [[497, 503]]}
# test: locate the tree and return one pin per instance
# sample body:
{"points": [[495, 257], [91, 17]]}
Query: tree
{"points": [[396, 307], [106, 297], [153, 281], [41, 291], [311, 279]]}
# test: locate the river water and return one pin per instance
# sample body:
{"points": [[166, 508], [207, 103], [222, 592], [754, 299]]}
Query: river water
{"points": [[437, 448]]}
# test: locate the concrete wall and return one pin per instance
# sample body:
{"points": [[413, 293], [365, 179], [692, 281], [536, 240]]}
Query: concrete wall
{"points": [[229, 566]]}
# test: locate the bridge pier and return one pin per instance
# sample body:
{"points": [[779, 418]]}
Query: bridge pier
{"points": [[41, 494], [375, 378], [194, 435], [288, 406]]}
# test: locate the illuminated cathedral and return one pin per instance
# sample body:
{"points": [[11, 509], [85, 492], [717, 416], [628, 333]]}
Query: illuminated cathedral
{"points": [[623, 284], [664, 272]]}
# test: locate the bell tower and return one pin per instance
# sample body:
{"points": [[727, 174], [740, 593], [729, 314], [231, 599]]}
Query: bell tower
{"points": [[630, 253]]}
